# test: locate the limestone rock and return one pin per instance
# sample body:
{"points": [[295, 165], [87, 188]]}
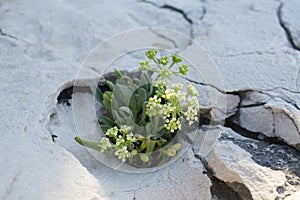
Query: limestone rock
{"points": [[273, 113], [254, 58], [234, 166], [43, 170], [288, 15], [256, 119], [287, 122]]}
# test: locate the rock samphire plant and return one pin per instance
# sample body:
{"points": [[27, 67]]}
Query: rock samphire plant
{"points": [[143, 114]]}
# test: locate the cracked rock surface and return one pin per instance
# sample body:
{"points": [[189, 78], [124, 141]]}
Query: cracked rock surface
{"points": [[255, 45], [278, 175]]}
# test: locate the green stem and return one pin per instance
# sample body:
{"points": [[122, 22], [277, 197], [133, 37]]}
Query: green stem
{"points": [[158, 65], [88, 143], [171, 65]]}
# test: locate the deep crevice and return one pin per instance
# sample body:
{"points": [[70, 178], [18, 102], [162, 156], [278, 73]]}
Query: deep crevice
{"points": [[219, 189], [172, 8], [285, 28], [177, 10], [65, 96]]}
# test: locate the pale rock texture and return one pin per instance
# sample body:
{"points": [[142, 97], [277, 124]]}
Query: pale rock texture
{"points": [[233, 165], [256, 119], [248, 39], [294, 196], [289, 14], [43, 44], [273, 113]]}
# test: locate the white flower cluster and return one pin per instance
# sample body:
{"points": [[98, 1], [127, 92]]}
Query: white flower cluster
{"points": [[154, 106], [173, 124], [123, 138], [191, 113], [122, 153], [169, 103], [104, 144]]}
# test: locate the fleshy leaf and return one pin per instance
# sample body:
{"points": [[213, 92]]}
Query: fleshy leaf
{"points": [[97, 93]]}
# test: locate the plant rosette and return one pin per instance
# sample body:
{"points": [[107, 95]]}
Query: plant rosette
{"points": [[142, 116]]}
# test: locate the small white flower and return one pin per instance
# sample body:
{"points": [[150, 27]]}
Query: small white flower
{"points": [[120, 141], [125, 129], [112, 132], [153, 107], [130, 138], [191, 113], [192, 90], [122, 153], [176, 86], [104, 144], [173, 124]]}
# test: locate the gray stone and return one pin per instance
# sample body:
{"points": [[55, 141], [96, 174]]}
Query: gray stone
{"points": [[289, 15], [234, 166], [247, 57], [274, 113], [252, 98], [43, 44], [287, 122], [256, 119]]}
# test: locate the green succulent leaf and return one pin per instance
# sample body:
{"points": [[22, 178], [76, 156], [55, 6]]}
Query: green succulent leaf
{"points": [[125, 112], [143, 114], [87, 143], [144, 157], [105, 127], [136, 81], [97, 93], [105, 120], [110, 85], [143, 94], [150, 146], [143, 145], [107, 102], [161, 133], [133, 106], [122, 94], [118, 74]]}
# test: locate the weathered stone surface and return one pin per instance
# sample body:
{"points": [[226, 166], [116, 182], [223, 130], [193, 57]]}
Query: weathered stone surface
{"points": [[39, 169], [288, 15], [273, 113], [256, 119], [234, 166], [253, 98], [249, 45], [279, 157], [42, 46]]}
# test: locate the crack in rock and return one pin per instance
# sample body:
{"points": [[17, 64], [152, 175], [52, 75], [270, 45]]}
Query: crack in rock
{"points": [[177, 10], [172, 8], [2, 33], [285, 28], [164, 37], [203, 13]]}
